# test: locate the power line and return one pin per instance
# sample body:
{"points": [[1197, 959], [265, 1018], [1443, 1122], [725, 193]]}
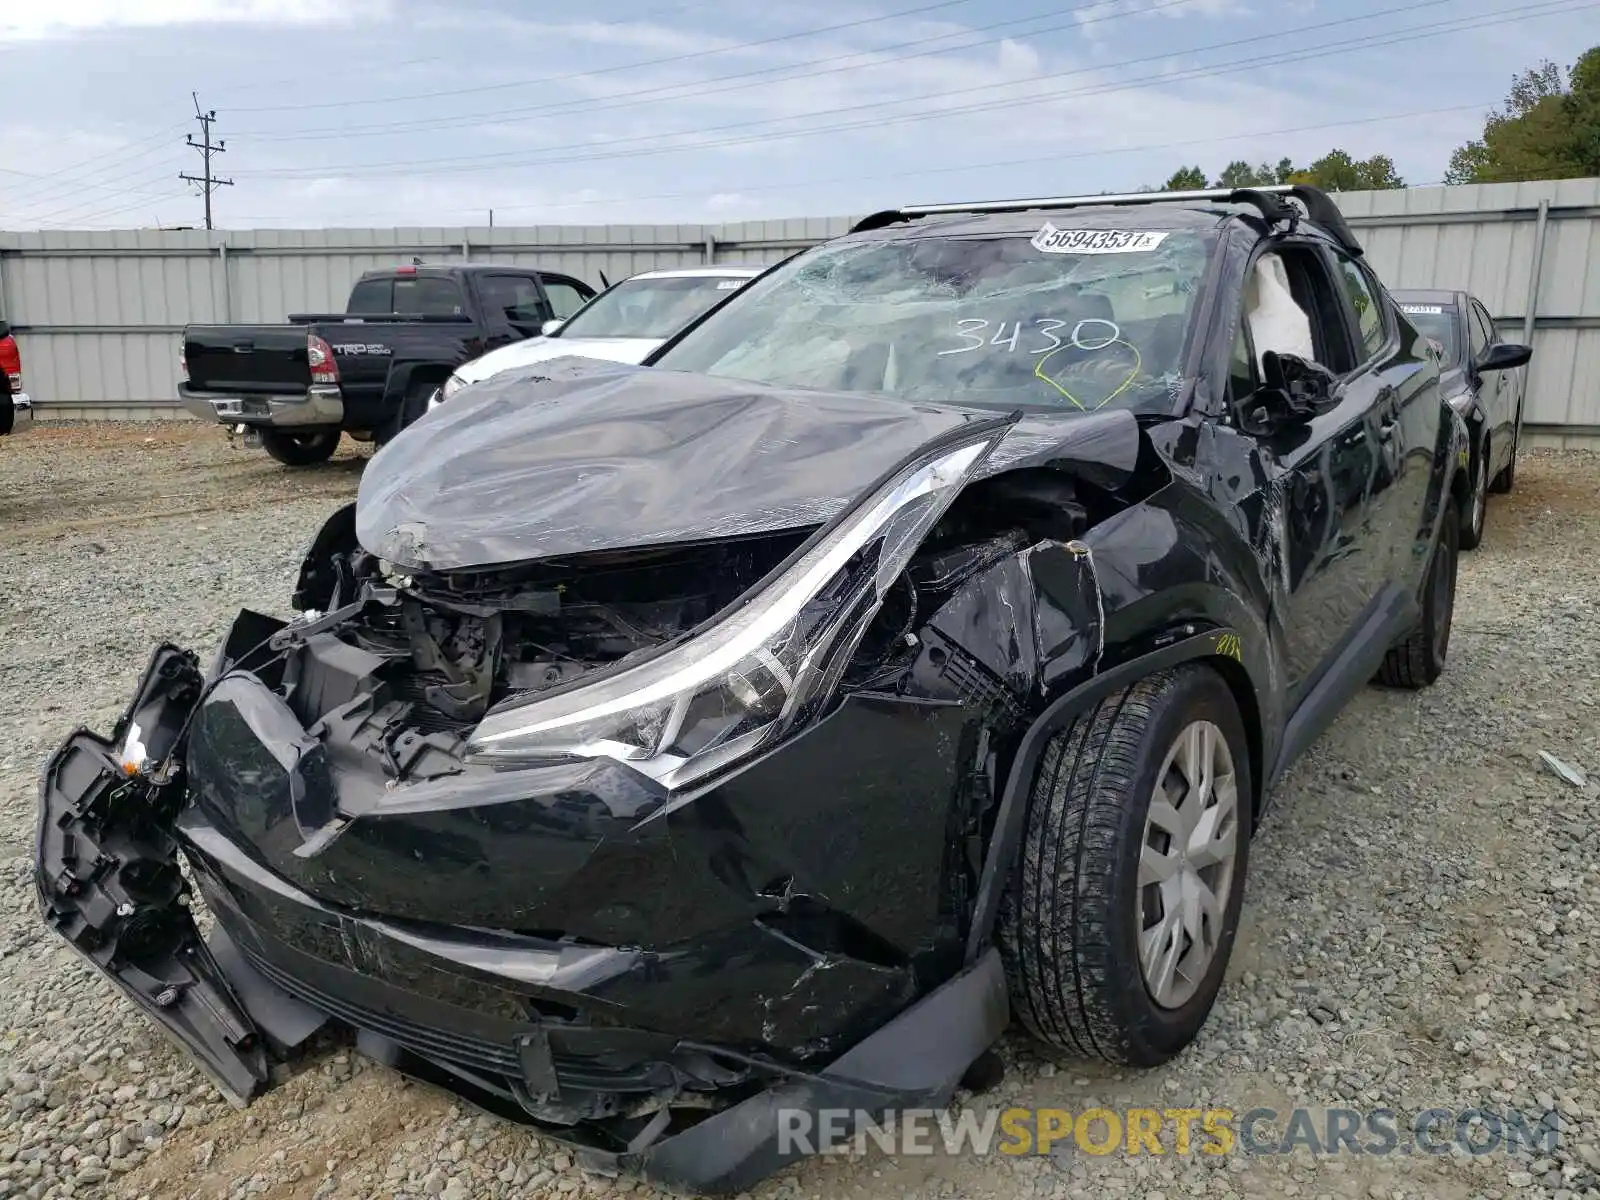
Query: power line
{"points": [[590, 202], [389, 67], [633, 66], [1083, 15], [138, 182], [474, 163], [650, 142], [111, 212], [208, 183], [66, 178]]}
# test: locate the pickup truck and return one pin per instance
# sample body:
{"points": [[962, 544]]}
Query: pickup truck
{"points": [[369, 370]]}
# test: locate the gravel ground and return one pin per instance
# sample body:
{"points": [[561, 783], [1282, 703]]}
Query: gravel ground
{"points": [[1420, 931]]}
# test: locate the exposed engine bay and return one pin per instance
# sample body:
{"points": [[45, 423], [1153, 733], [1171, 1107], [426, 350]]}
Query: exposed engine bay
{"points": [[405, 663]]}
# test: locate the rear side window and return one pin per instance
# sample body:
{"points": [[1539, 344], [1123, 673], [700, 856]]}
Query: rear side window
{"points": [[1364, 302], [515, 297], [428, 296], [1482, 331], [564, 298], [372, 297]]}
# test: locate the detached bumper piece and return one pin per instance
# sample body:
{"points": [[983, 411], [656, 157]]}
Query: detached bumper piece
{"points": [[114, 816], [106, 868]]}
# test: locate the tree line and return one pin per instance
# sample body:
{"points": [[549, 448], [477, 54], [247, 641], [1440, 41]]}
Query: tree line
{"points": [[1548, 128]]}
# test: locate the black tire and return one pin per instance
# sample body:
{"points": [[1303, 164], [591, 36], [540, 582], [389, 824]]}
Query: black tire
{"points": [[1506, 478], [413, 406], [300, 448], [1071, 919], [1475, 508], [1419, 660], [8, 409]]}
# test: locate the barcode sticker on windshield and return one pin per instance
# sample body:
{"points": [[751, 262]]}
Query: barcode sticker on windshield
{"points": [[1051, 240], [1426, 309]]}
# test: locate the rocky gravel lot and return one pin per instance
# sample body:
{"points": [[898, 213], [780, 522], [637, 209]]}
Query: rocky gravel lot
{"points": [[1422, 928]]}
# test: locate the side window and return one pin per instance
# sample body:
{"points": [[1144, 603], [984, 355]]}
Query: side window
{"points": [[1481, 330], [428, 296], [565, 298], [515, 297], [371, 297], [1371, 327], [1242, 379], [1291, 307]]}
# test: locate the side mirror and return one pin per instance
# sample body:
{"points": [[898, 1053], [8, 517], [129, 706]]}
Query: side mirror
{"points": [[1292, 392], [549, 328], [1502, 356]]}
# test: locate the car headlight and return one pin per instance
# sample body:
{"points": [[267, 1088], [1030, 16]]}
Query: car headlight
{"points": [[765, 665]]}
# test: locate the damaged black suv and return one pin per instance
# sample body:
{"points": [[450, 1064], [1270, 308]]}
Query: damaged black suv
{"points": [[660, 752]]}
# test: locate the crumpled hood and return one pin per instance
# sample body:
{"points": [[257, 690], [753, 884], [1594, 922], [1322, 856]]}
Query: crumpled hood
{"points": [[580, 455], [543, 349]]}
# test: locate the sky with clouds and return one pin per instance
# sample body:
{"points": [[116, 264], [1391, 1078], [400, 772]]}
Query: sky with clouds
{"points": [[404, 112]]}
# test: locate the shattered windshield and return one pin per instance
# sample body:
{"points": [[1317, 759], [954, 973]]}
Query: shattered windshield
{"points": [[649, 308], [1068, 319]]}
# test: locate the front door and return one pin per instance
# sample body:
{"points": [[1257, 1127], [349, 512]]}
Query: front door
{"points": [[1322, 471]]}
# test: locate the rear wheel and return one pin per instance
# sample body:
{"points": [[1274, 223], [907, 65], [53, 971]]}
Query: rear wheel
{"points": [[1117, 928], [414, 405], [1476, 510], [1419, 660], [300, 448]]}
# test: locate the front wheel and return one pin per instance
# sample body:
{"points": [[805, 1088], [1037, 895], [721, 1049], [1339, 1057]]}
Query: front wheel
{"points": [[1118, 926], [300, 449], [1476, 510]]}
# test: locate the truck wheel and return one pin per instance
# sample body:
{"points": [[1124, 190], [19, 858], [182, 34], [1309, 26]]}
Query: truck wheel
{"points": [[1476, 509], [1118, 925], [414, 405], [300, 449], [8, 411], [1419, 659]]}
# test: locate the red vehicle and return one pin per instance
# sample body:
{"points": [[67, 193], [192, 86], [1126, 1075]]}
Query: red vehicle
{"points": [[12, 396]]}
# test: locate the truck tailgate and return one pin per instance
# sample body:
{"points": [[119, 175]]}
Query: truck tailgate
{"points": [[247, 358]]}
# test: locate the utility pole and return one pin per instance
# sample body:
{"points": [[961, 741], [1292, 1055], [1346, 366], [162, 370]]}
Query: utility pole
{"points": [[207, 181]]}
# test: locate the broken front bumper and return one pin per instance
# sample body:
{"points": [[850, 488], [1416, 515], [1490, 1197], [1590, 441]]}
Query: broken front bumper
{"points": [[477, 1012]]}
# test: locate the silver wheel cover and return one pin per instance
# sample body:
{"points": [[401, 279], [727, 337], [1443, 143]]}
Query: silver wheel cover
{"points": [[1186, 860]]}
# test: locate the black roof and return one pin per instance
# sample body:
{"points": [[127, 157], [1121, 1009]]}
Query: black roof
{"points": [[1426, 296], [1158, 218], [1154, 210], [435, 269]]}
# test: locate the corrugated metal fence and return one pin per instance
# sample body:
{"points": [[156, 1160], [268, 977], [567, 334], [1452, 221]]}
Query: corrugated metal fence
{"points": [[98, 314]]}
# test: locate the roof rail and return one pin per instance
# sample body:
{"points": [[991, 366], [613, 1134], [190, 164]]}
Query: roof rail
{"points": [[1269, 200]]}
